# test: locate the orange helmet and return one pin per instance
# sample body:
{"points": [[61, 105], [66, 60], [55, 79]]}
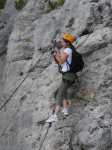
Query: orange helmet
{"points": [[69, 37]]}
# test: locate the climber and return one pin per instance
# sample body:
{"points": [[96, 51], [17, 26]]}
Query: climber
{"points": [[63, 58]]}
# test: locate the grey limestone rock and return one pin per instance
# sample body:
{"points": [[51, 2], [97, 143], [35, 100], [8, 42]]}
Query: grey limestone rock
{"points": [[30, 78]]}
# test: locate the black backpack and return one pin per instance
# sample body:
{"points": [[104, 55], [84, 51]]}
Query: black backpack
{"points": [[77, 63]]}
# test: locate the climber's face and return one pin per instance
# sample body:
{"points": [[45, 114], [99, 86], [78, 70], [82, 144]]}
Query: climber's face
{"points": [[63, 43]]}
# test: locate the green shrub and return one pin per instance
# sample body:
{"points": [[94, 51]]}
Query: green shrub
{"points": [[2, 4], [19, 4], [60, 2], [55, 4]]}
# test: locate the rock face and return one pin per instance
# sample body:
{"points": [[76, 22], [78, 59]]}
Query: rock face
{"points": [[6, 24], [30, 78], [7, 16]]}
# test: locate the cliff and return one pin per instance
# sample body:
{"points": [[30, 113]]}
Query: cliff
{"points": [[28, 77]]}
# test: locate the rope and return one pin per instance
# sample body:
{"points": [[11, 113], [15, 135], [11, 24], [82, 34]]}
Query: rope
{"points": [[41, 144], [9, 98], [7, 101]]}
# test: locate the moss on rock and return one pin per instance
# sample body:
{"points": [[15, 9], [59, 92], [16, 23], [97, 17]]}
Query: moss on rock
{"points": [[19, 4], [54, 4], [2, 4]]}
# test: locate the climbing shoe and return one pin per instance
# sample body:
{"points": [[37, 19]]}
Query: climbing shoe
{"points": [[65, 111], [52, 118]]}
